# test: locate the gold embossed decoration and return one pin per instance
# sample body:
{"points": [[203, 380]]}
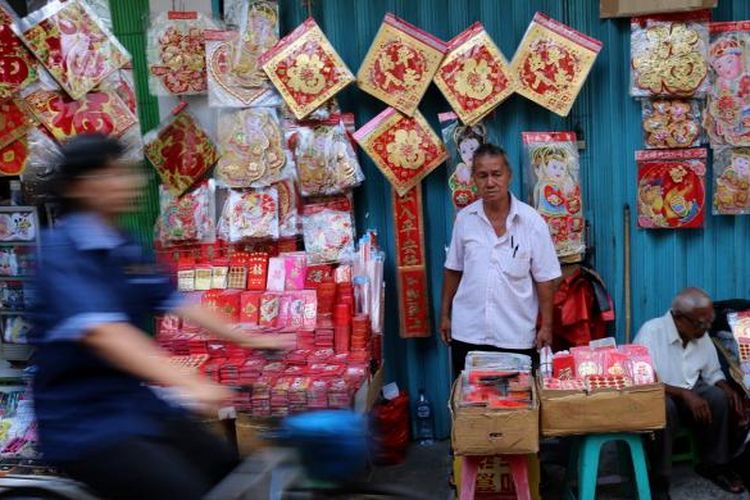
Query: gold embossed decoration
{"points": [[400, 64], [552, 62], [176, 53], [305, 69], [406, 150], [731, 176], [669, 54], [474, 77], [252, 147], [72, 44]]}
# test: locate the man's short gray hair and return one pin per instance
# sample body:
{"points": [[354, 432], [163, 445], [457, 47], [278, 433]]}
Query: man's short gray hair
{"points": [[690, 299]]}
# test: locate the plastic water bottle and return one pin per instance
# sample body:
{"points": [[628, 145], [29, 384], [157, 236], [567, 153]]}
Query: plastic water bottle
{"points": [[425, 421]]}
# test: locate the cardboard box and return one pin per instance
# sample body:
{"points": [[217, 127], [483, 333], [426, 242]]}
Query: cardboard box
{"points": [[634, 409], [250, 433], [629, 8], [484, 431]]}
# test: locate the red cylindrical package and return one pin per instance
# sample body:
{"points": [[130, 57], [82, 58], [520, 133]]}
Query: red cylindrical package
{"points": [[342, 335]]}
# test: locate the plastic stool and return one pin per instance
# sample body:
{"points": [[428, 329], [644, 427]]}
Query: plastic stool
{"points": [[685, 435], [519, 468], [584, 459]]}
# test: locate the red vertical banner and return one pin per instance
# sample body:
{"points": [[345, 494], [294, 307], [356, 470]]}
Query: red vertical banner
{"points": [[408, 225]]}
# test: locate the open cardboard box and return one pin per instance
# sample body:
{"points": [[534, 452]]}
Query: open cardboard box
{"points": [[485, 431], [629, 8], [633, 409]]}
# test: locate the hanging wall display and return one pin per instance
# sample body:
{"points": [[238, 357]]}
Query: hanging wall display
{"points": [[671, 123], [671, 188], [731, 181], [328, 230], [669, 54], [97, 112], [461, 142], [727, 111], [253, 150], [176, 53], [400, 64], [552, 62], [72, 44], [18, 68], [305, 69], [180, 151], [554, 188], [188, 218], [474, 77], [406, 150], [250, 214]]}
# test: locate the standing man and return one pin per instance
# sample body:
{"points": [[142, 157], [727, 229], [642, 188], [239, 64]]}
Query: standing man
{"points": [[500, 271], [697, 394]]}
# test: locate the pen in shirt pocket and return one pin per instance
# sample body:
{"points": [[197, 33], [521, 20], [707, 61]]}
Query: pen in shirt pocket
{"points": [[513, 246]]}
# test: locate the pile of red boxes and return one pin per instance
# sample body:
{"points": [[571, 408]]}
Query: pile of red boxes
{"points": [[272, 295]]}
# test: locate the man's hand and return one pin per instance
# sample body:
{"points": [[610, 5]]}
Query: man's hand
{"points": [[445, 329], [735, 400], [543, 337], [206, 397], [698, 407]]}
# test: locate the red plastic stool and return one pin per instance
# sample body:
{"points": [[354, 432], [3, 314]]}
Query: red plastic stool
{"points": [[519, 468]]}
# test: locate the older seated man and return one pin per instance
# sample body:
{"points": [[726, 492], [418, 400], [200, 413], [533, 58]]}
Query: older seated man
{"points": [[697, 394]]}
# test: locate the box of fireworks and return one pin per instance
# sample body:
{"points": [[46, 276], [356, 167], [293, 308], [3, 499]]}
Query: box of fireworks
{"points": [[629, 8], [495, 481], [574, 411], [251, 432], [493, 431]]}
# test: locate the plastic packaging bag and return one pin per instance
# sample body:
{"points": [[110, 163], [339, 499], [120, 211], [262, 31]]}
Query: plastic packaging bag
{"points": [[727, 115], [671, 123], [188, 218], [44, 156], [669, 54], [176, 53], [325, 159], [554, 187], [328, 231], [254, 153], [731, 180], [250, 214], [289, 220], [73, 45]]}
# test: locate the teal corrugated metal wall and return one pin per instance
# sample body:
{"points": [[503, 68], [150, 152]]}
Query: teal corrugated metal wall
{"points": [[662, 262]]}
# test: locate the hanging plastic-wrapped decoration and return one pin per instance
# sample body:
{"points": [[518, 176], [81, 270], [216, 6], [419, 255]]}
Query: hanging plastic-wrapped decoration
{"points": [[671, 123], [305, 69], [189, 218], [461, 141], [326, 161], [671, 188], [180, 151], [18, 68], [731, 176], [727, 112], [328, 230], [250, 215], [176, 53], [100, 112], [669, 54], [474, 77], [552, 62], [254, 152], [73, 45], [400, 64], [554, 187], [43, 156], [406, 150]]}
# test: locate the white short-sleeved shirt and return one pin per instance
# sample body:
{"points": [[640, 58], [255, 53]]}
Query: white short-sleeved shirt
{"points": [[677, 366], [496, 302]]}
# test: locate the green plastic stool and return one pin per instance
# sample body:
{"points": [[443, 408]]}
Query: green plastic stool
{"points": [[584, 459], [684, 437]]}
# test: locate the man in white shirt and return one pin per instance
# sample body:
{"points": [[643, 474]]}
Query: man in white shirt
{"points": [[500, 271], [697, 393]]}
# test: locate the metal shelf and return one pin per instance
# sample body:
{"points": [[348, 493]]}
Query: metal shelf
{"points": [[18, 243], [23, 277], [13, 313]]}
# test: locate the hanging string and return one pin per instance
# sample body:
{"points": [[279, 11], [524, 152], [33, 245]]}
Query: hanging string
{"points": [[309, 8]]}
